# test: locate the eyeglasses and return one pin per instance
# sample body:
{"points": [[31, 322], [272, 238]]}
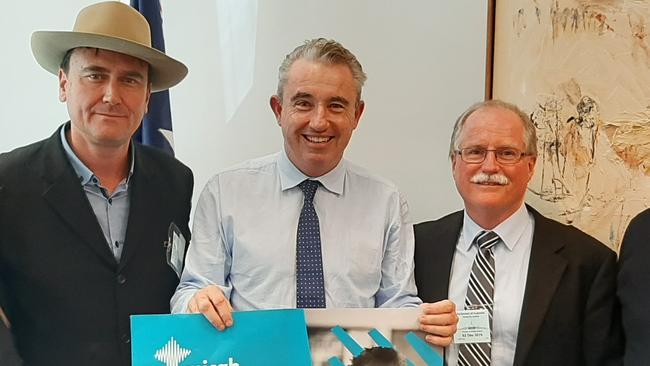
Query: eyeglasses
{"points": [[503, 155]]}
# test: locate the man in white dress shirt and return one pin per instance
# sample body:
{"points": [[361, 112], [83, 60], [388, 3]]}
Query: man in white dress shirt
{"points": [[251, 248]]}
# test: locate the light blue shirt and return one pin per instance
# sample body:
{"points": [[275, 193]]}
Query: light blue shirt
{"points": [[112, 211], [244, 238], [511, 271]]}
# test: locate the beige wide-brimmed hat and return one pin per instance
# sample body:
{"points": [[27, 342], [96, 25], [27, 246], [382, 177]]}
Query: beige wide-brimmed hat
{"points": [[112, 26]]}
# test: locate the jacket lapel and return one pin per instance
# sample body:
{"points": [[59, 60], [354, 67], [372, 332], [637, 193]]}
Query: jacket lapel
{"points": [[66, 197], [545, 271], [142, 215], [448, 240], [434, 252]]}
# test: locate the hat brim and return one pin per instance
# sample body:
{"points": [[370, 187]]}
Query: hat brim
{"points": [[49, 48]]}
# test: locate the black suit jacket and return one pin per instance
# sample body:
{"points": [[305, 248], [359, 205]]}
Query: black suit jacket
{"points": [[569, 314], [633, 289], [67, 298], [8, 354]]}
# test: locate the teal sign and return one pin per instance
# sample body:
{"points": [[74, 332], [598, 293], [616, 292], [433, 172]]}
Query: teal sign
{"points": [[268, 337]]}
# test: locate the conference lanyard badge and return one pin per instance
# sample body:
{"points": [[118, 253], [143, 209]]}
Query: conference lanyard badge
{"points": [[175, 247], [473, 325]]}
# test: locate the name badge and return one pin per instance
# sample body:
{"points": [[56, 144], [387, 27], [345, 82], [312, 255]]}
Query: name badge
{"points": [[473, 326], [175, 249]]}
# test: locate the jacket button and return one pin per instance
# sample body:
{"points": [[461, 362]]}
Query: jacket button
{"points": [[125, 338], [121, 279]]}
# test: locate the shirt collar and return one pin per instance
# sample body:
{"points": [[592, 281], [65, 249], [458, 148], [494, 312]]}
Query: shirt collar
{"points": [[510, 230], [291, 176], [85, 175]]}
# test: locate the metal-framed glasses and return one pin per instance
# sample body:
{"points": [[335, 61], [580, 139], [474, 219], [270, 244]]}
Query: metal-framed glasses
{"points": [[503, 155]]}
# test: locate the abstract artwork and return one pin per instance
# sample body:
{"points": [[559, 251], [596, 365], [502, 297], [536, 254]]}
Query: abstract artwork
{"points": [[581, 69]]}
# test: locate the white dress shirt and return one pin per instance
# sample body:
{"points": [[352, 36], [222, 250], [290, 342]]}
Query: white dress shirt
{"points": [[511, 270], [244, 238]]}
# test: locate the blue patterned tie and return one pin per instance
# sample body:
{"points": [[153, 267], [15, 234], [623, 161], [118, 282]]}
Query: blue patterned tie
{"points": [[310, 286], [480, 292]]}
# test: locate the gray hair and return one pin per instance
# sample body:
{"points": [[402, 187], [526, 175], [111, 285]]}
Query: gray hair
{"points": [[530, 135], [326, 51]]}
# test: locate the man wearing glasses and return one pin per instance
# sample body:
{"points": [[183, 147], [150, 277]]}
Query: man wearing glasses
{"points": [[545, 291]]}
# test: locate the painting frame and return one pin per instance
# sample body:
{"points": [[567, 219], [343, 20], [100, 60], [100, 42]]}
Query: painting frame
{"points": [[580, 69], [489, 53]]}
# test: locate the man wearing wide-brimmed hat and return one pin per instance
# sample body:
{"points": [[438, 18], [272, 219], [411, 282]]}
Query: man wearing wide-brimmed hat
{"points": [[84, 214]]}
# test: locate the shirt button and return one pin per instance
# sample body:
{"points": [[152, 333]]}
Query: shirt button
{"points": [[125, 338], [121, 279], [110, 201]]}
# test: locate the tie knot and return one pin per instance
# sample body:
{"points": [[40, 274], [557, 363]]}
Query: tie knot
{"points": [[487, 239], [309, 188]]}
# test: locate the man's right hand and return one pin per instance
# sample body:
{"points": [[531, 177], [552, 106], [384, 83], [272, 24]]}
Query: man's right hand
{"points": [[440, 321], [212, 303]]}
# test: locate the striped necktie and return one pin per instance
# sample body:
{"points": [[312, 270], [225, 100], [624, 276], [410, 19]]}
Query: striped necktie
{"points": [[310, 285], [480, 292]]}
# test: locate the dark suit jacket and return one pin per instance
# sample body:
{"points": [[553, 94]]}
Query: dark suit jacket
{"points": [[634, 289], [67, 298], [8, 354], [569, 314]]}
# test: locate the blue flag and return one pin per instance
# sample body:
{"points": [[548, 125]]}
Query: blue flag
{"points": [[156, 128]]}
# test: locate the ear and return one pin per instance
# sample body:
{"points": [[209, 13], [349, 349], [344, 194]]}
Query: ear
{"points": [[63, 83], [358, 112], [276, 107], [455, 161], [146, 102], [532, 160]]}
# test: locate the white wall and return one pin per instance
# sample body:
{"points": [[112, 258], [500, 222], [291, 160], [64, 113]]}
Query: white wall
{"points": [[425, 62]]}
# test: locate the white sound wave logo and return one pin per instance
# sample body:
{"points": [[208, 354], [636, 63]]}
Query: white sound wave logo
{"points": [[172, 354]]}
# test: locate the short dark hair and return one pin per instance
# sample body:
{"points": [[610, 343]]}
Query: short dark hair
{"points": [[378, 356], [65, 62]]}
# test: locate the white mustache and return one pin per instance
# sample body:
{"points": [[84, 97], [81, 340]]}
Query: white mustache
{"points": [[481, 177]]}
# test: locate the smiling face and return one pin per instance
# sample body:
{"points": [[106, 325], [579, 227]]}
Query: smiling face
{"points": [[491, 201], [106, 94], [317, 114]]}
